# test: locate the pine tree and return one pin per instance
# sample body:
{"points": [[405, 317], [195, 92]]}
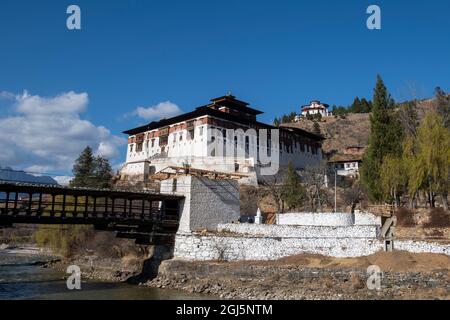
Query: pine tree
{"points": [[356, 106], [293, 192], [366, 106], [385, 139], [90, 171], [276, 122], [84, 169], [103, 173]]}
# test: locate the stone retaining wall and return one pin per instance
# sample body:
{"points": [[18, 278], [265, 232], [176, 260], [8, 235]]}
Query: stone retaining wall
{"points": [[263, 230], [229, 248], [316, 219], [366, 218], [337, 219], [422, 246]]}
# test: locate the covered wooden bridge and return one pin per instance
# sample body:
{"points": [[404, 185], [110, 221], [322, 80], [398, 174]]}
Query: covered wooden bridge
{"points": [[148, 217]]}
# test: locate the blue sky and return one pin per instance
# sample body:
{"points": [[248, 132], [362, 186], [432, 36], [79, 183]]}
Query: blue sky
{"points": [[277, 55]]}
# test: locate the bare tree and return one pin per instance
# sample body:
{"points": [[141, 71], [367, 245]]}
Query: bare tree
{"points": [[274, 187], [442, 105], [315, 179], [353, 195], [408, 118]]}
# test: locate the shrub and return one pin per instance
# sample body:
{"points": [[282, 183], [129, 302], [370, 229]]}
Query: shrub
{"points": [[62, 239], [438, 218], [405, 217]]}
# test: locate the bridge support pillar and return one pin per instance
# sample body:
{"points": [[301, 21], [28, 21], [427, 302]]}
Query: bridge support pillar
{"points": [[207, 202]]}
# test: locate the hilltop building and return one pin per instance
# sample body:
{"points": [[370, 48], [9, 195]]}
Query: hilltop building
{"points": [[191, 140], [315, 107]]}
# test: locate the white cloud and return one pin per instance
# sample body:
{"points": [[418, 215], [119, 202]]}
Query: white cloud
{"points": [[65, 104], [161, 110], [63, 180], [46, 134], [6, 95]]}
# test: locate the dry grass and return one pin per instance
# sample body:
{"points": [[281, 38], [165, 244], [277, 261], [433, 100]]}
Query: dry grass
{"points": [[438, 218], [341, 133], [397, 261], [405, 218]]}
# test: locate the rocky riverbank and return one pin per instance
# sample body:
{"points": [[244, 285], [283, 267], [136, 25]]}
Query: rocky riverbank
{"points": [[130, 268], [405, 276], [102, 269]]}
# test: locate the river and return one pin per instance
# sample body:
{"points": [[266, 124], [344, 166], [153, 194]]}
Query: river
{"points": [[22, 278]]}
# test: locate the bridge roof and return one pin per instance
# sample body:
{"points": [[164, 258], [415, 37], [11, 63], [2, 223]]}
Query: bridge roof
{"points": [[9, 186]]}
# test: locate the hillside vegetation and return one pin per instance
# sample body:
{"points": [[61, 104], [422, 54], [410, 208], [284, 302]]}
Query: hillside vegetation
{"points": [[351, 130]]}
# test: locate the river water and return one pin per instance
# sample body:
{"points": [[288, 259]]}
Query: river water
{"points": [[21, 278]]}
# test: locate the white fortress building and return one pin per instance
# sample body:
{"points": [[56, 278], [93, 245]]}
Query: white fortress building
{"points": [[223, 136], [315, 107]]}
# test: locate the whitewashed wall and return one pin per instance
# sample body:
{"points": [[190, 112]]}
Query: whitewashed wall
{"points": [[265, 230], [203, 248], [316, 219], [366, 218], [422, 246], [328, 219]]}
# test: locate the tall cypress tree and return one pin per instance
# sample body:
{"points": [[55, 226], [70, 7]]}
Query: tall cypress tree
{"points": [[84, 169], [385, 139]]}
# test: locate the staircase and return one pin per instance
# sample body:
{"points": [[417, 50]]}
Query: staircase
{"points": [[389, 221]]}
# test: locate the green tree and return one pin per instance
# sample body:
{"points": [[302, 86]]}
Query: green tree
{"points": [[385, 138], [366, 106], [91, 171], [356, 106], [430, 167], [103, 173], [84, 169], [393, 178], [276, 122], [294, 193], [339, 111]]}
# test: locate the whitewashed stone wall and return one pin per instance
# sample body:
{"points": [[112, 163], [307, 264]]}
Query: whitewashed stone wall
{"points": [[366, 219], [421, 246], [263, 230], [328, 219], [232, 248], [207, 202], [316, 219]]}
